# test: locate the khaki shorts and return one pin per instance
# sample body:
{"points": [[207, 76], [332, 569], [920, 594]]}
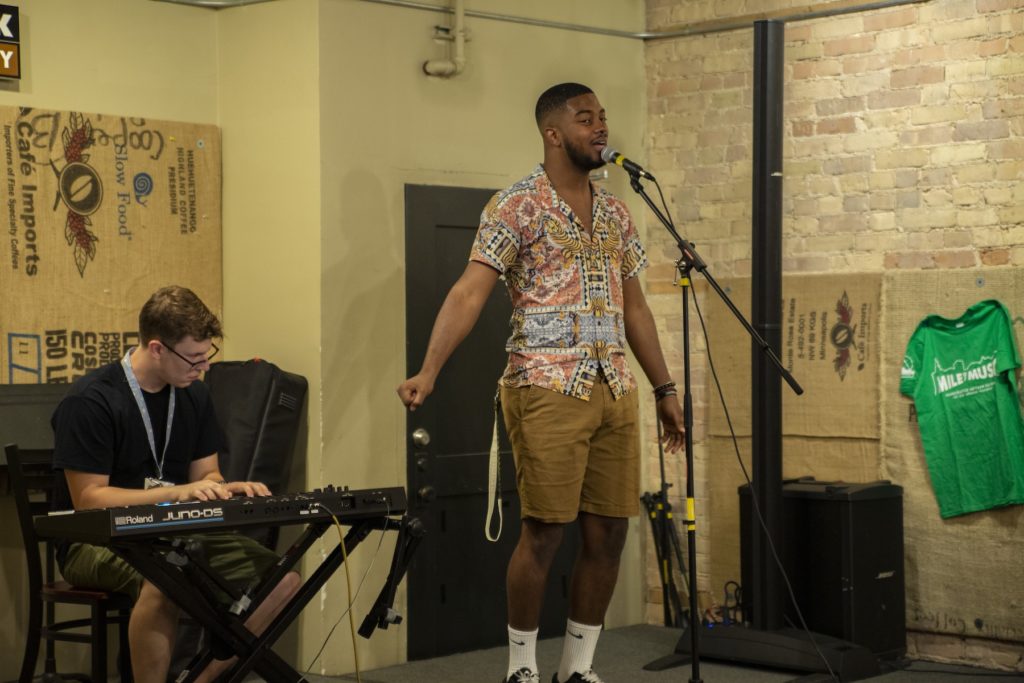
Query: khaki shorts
{"points": [[237, 558], [573, 455]]}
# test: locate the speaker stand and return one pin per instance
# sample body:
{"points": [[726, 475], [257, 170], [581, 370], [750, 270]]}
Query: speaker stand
{"points": [[787, 649]]}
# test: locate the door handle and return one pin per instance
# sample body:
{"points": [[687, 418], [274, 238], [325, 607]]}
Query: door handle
{"points": [[421, 437]]}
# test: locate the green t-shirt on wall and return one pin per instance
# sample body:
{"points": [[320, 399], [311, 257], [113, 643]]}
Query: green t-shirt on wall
{"points": [[961, 375]]}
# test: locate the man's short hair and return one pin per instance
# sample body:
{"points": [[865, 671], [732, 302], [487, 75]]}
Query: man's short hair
{"points": [[555, 97], [175, 312]]}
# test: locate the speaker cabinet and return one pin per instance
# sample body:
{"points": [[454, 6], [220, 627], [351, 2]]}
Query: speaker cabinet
{"points": [[843, 552]]}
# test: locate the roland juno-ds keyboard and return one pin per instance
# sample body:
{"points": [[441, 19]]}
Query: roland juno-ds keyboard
{"points": [[170, 519]]}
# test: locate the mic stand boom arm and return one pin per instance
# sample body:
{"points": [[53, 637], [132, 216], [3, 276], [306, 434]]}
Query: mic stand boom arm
{"points": [[690, 260]]}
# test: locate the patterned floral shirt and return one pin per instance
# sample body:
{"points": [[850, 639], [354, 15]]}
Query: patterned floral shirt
{"points": [[565, 285]]}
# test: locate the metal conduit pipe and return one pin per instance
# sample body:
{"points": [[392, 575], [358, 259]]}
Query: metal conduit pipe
{"points": [[841, 7], [411, 4], [838, 8], [446, 68], [214, 4]]}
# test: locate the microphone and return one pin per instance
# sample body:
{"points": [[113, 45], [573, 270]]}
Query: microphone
{"points": [[611, 156]]}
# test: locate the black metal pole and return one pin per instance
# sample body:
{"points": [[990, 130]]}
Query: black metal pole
{"points": [[691, 521], [766, 312], [765, 643]]}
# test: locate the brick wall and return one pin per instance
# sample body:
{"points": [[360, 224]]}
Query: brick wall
{"points": [[904, 149], [904, 133]]}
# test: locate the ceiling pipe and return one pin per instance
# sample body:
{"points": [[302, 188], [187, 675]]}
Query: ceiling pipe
{"points": [[446, 68], [837, 8], [214, 4], [412, 4]]}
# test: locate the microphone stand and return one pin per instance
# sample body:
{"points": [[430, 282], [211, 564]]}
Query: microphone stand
{"points": [[690, 260]]}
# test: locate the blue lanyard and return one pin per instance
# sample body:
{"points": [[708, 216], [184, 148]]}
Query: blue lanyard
{"points": [[126, 363]]}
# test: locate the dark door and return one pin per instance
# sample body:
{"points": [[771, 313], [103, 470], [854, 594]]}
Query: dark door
{"points": [[456, 579]]}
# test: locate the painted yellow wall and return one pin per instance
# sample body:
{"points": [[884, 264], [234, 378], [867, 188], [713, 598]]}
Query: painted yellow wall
{"points": [[146, 59], [269, 117], [384, 124], [150, 59]]}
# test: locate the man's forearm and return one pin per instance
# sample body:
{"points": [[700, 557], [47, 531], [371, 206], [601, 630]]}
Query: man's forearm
{"points": [[454, 322], [458, 315], [115, 496]]}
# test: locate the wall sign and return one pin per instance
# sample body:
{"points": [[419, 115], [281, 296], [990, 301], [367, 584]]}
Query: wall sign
{"points": [[98, 211], [10, 42]]}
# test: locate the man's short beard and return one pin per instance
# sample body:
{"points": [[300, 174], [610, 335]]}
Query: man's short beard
{"points": [[580, 159]]}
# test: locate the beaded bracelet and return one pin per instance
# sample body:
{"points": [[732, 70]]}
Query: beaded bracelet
{"points": [[665, 394], [662, 390]]}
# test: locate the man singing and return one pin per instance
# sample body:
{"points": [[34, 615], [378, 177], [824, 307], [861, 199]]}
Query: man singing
{"points": [[570, 257]]}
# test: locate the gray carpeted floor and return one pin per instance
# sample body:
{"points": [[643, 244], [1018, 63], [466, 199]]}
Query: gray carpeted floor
{"points": [[621, 654]]}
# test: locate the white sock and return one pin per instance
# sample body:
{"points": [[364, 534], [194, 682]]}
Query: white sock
{"points": [[522, 650], [578, 649]]}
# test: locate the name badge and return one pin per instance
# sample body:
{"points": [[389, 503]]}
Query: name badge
{"points": [[154, 483]]}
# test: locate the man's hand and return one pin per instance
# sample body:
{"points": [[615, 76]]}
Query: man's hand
{"points": [[247, 488], [414, 391], [673, 427], [203, 489], [208, 489]]}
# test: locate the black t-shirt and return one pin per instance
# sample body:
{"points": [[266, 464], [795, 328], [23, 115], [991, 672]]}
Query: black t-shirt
{"points": [[98, 429]]}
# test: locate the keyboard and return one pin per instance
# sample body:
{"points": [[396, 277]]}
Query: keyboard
{"points": [[107, 525]]}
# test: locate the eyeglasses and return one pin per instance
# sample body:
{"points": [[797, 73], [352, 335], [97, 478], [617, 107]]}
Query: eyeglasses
{"points": [[192, 366]]}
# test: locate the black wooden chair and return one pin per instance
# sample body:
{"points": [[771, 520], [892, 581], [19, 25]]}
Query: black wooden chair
{"points": [[30, 475]]}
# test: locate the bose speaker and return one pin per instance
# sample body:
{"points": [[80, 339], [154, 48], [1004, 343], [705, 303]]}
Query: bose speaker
{"points": [[843, 552]]}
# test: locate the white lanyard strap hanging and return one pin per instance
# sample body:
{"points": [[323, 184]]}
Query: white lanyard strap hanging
{"points": [[494, 478], [126, 363]]}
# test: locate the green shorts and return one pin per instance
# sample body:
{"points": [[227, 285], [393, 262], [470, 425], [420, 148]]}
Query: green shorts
{"points": [[238, 558], [572, 455]]}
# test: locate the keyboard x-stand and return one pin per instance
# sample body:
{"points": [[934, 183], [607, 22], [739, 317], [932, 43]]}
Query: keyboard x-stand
{"points": [[175, 565]]}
